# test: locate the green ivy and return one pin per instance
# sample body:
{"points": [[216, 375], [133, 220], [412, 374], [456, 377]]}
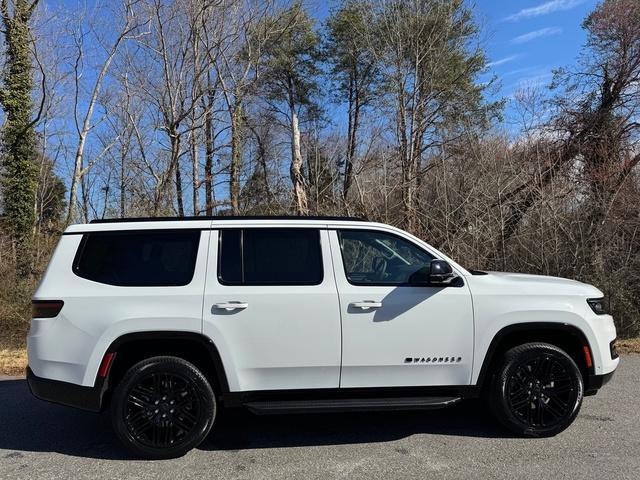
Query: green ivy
{"points": [[20, 170]]}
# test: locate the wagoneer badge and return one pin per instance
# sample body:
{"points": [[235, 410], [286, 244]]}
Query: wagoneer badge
{"points": [[415, 360]]}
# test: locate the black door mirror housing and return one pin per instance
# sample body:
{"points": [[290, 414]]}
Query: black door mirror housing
{"points": [[440, 273]]}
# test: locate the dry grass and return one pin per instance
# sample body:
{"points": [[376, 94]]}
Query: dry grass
{"points": [[629, 346], [13, 361]]}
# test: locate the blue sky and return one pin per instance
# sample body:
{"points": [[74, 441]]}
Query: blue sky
{"points": [[527, 39]]}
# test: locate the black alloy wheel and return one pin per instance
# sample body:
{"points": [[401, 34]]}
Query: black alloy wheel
{"points": [[163, 408], [538, 391]]}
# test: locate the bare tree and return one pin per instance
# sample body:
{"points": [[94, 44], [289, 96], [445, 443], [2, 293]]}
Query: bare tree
{"points": [[84, 122], [595, 113], [290, 77]]}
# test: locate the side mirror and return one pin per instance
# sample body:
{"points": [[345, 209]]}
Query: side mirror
{"points": [[440, 273]]}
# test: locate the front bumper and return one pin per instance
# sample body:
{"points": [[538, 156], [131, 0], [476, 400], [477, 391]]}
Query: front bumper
{"points": [[64, 393]]}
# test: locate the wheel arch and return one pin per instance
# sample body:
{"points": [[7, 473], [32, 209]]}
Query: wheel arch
{"points": [[563, 335], [194, 347]]}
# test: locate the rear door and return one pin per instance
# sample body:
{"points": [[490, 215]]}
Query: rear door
{"points": [[396, 331], [271, 305]]}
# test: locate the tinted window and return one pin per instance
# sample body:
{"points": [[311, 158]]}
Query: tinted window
{"points": [[136, 259], [378, 258], [270, 256], [230, 264]]}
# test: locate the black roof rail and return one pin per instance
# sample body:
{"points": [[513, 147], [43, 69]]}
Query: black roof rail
{"points": [[228, 217]]}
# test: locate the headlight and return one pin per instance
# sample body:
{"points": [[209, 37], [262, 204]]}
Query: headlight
{"points": [[598, 305]]}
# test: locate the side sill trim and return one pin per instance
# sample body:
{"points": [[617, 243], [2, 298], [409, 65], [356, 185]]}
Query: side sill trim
{"points": [[335, 396], [350, 405]]}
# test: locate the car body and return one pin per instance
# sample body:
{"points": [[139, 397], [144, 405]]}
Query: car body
{"points": [[295, 314]]}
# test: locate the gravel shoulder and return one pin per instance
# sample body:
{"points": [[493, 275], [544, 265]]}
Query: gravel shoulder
{"points": [[42, 440]]}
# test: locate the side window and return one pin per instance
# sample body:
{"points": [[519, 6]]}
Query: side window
{"points": [[230, 257], [378, 258], [270, 256], [158, 258]]}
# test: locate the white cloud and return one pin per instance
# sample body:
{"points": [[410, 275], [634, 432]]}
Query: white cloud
{"points": [[544, 9], [535, 80], [543, 32], [525, 70], [502, 61]]}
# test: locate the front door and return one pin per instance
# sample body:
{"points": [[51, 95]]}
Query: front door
{"points": [[271, 307], [396, 332]]}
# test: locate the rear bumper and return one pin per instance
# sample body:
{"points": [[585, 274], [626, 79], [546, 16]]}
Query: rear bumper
{"points": [[595, 382], [64, 393]]}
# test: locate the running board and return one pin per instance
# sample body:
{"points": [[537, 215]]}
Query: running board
{"points": [[350, 405]]}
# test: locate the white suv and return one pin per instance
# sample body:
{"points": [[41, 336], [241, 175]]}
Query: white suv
{"points": [[165, 321]]}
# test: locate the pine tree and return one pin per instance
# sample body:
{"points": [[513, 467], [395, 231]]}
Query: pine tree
{"points": [[355, 71]]}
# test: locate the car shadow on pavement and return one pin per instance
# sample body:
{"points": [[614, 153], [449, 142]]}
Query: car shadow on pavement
{"points": [[239, 429], [30, 425]]}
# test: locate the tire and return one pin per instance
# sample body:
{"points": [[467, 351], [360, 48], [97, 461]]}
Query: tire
{"points": [[537, 391], [162, 408]]}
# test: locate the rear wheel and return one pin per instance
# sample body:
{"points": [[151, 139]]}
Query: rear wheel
{"points": [[162, 408], [537, 390]]}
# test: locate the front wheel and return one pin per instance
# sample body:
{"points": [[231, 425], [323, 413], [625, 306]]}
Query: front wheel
{"points": [[537, 391], [162, 408]]}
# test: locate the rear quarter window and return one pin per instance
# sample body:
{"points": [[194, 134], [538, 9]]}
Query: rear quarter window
{"points": [[160, 258]]}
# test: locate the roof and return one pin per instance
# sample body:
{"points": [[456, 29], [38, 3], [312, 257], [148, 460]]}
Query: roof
{"points": [[205, 222], [227, 217]]}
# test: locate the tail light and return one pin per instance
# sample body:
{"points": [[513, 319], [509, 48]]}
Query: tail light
{"points": [[46, 308]]}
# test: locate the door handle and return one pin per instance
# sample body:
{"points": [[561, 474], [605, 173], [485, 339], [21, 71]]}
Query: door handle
{"points": [[366, 305], [230, 306]]}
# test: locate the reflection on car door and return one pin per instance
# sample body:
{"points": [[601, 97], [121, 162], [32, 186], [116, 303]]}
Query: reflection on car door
{"points": [[395, 333]]}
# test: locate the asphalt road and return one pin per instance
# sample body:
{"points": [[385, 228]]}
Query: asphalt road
{"points": [[41, 440]]}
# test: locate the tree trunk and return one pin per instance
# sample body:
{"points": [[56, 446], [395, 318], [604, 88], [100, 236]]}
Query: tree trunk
{"points": [[409, 194], [352, 136], [297, 178], [75, 180], [73, 195], [123, 176], [236, 156], [262, 159], [172, 172], [179, 189], [405, 159], [195, 172], [85, 199], [208, 166]]}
